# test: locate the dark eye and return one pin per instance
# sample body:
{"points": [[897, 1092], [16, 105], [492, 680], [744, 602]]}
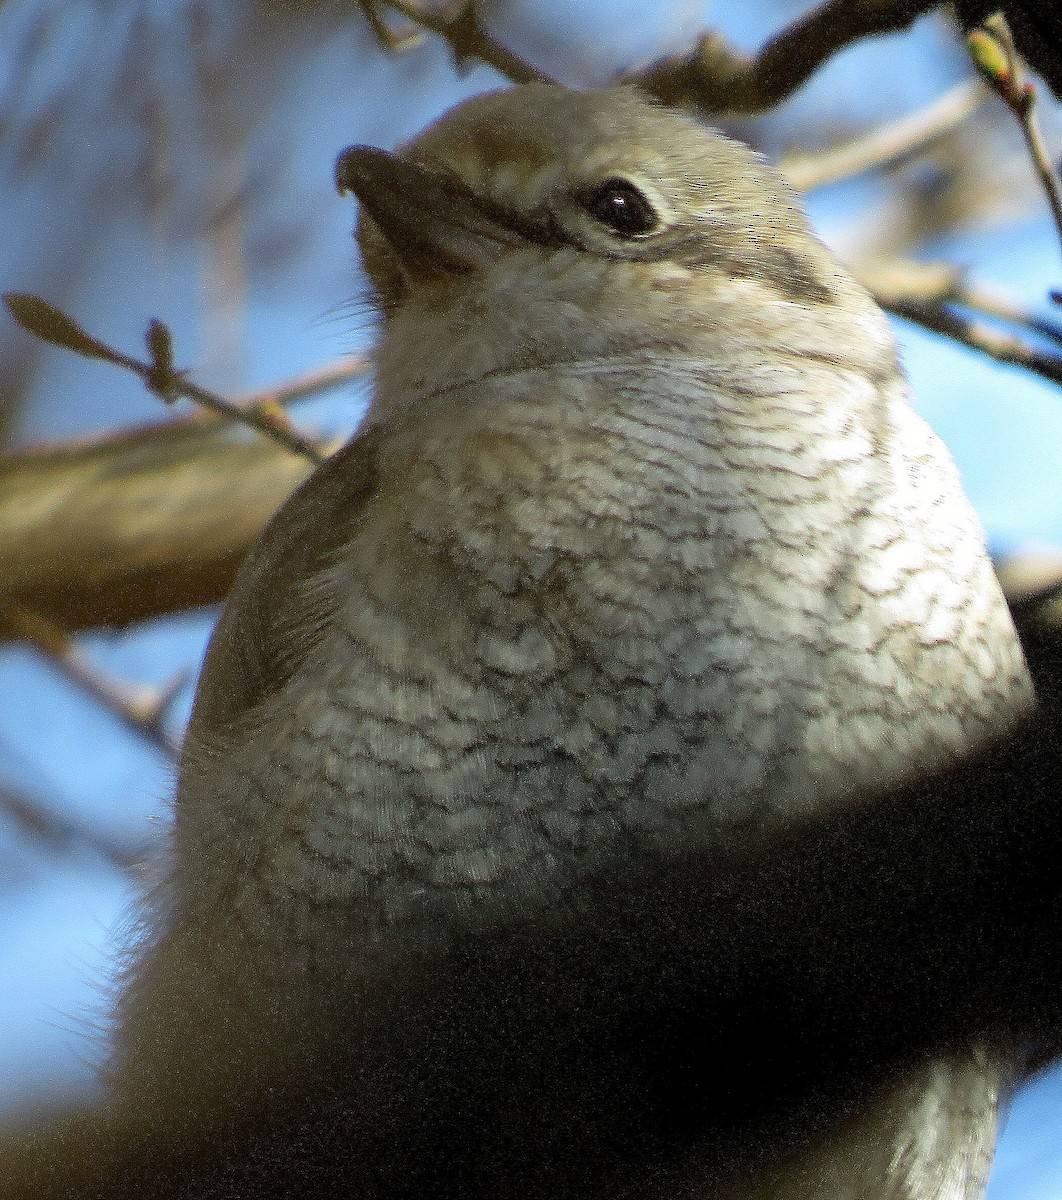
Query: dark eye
{"points": [[618, 204]]}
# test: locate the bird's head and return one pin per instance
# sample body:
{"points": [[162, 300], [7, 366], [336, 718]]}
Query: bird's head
{"points": [[565, 223]]}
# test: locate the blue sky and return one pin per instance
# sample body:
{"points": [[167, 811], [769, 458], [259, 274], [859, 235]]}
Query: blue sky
{"points": [[83, 242]]}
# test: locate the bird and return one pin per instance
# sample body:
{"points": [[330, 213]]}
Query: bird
{"points": [[557, 817]]}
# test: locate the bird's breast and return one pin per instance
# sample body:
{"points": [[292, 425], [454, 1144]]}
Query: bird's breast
{"points": [[636, 625]]}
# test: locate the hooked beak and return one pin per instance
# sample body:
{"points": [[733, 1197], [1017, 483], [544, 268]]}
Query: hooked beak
{"points": [[434, 225]]}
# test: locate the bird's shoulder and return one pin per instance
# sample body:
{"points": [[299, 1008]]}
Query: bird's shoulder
{"points": [[274, 616]]}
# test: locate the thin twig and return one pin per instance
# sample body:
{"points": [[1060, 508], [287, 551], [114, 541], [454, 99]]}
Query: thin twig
{"points": [[320, 379], [712, 78], [160, 376], [259, 418], [1030, 127], [169, 384], [996, 57], [905, 280], [888, 144], [459, 25], [141, 709], [1005, 308], [303, 387], [947, 319], [60, 834], [388, 39]]}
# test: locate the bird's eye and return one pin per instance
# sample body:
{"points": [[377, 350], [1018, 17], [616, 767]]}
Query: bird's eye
{"points": [[618, 204]]}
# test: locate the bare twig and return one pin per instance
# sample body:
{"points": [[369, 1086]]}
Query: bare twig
{"points": [[1004, 308], [141, 709], [949, 320], [935, 296], [271, 422], [313, 383], [905, 280], [996, 57], [159, 375], [715, 78], [59, 833], [387, 38], [905, 283], [459, 25], [888, 144]]}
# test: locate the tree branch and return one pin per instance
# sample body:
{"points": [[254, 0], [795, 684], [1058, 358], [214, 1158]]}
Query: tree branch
{"points": [[121, 529], [711, 79], [141, 709], [935, 296], [715, 78], [993, 51], [159, 376], [60, 835], [459, 25], [947, 319], [886, 145]]}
